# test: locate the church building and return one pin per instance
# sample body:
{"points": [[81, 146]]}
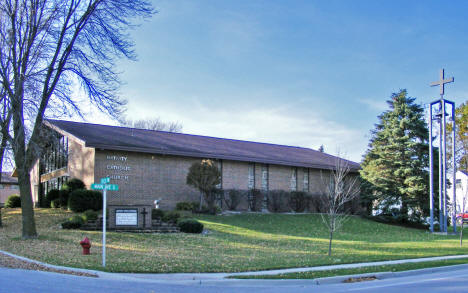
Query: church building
{"points": [[153, 165]]}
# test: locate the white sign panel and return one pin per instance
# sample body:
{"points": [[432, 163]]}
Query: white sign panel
{"points": [[126, 217]]}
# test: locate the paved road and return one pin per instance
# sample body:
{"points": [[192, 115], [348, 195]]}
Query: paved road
{"points": [[14, 280]]}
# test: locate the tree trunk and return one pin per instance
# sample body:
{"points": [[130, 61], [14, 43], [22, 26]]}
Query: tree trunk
{"points": [[201, 202], [404, 209], [27, 210], [461, 232], [330, 244]]}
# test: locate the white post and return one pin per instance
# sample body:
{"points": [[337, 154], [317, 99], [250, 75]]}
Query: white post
{"points": [[104, 201]]}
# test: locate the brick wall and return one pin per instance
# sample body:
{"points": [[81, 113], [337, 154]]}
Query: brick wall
{"points": [[143, 178]]}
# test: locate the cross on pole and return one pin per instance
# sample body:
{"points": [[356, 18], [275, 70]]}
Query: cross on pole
{"points": [[440, 118], [442, 82]]}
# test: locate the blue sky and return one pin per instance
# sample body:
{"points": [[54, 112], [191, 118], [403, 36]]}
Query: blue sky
{"points": [[301, 73]]}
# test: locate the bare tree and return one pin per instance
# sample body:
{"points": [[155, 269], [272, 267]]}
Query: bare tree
{"points": [[46, 48], [339, 188], [152, 124]]}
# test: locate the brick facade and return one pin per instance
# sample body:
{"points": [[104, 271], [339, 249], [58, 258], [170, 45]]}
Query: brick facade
{"points": [[144, 177]]}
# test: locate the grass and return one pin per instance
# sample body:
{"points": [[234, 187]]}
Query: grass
{"points": [[234, 243], [357, 271]]}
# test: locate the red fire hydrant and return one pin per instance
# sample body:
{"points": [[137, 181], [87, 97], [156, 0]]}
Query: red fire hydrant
{"points": [[86, 244]]}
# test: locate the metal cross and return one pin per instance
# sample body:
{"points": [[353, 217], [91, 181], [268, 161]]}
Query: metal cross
{"points": [[442, 82]]}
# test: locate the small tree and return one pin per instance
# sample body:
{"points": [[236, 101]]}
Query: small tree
{"points": [[464, 201], [205, 176], [339, 188]]}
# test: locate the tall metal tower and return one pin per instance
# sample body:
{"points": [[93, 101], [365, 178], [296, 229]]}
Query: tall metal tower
{"points": [[439, 116]]}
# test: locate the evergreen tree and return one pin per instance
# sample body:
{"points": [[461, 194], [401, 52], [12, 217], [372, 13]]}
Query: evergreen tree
{"points": [[396, 162]]}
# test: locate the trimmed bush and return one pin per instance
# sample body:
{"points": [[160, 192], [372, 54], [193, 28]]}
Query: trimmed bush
{"points": [[255, 198], [81, 200], [190, 226], [278, 201], [55, 204], [157, 214], [49, 197], [63, 197], [298, 201], [317, 203], [171, 217], [73, 184], [13, 201], [232, 199], [74, 222], [90, 215], [185, 206]]}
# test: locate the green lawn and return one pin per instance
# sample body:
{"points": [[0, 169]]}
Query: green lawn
{"points": [[234, 243]]}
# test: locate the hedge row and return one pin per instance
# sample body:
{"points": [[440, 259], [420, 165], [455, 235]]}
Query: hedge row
{"points": [[273, 201]]}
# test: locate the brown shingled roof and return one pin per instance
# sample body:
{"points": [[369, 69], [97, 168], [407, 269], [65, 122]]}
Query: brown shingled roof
{"points": [[169, 143], [7, 178]]}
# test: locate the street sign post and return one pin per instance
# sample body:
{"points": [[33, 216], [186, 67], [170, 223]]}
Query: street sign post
{"points": [[104, 186]]}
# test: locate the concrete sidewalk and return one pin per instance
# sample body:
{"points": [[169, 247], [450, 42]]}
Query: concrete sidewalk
{"points": [[190, 278]]}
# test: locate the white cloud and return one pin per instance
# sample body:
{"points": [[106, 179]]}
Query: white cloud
{"points": [[270, 125]]}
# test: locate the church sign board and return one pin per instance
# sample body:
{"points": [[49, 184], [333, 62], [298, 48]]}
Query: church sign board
{"points": [[126, 217]]}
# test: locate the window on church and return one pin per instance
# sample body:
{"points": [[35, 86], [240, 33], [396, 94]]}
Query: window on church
{"points": [[219, 164], [265, 177], [306, 180], [293, 182], [55, 155], [251, 183]]}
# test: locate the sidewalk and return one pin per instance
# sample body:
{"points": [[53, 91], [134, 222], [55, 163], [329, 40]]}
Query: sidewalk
{"points": [[190, 278]]}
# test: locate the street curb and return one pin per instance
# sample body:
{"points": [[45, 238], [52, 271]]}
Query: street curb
{"points": [[69, 269], [389, 275]]}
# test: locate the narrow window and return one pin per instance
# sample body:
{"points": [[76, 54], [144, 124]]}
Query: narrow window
{"points": [[219, 164], [294, 179], [265, 177], [251, 183], [306, 180]]}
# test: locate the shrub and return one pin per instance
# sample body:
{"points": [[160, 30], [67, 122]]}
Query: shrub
{"points": [[64, 194], [157, 214], [74, 222], [232, 199], [317, 203], [50, 196], [298, 201], [81, 200], [73, 184], [13, 201], [190, 226], [278, 201], [255, 200], [90, 215], [185, 206], [171, 217], [55, 204]]}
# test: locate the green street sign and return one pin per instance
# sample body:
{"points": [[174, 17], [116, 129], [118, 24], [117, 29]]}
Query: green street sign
{"points": [[105, 180], [112, 187], [96, 186]]}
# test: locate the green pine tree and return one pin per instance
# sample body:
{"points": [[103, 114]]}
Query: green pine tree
{"points": [[395, 166]]}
